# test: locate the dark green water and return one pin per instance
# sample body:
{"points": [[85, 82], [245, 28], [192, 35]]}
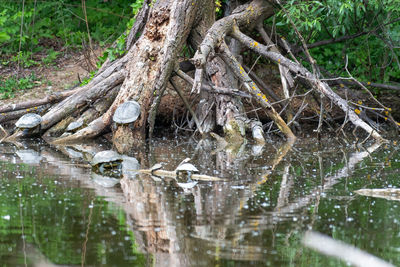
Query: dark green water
{"points": [[52, 211]]}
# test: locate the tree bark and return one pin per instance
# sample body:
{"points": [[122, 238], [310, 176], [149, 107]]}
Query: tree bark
{"points": [[158, 37]]}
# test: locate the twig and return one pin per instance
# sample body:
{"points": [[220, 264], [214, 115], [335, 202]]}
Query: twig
{"points": [[321, 114], [213, 89], [253, 89], [6, 134], [187, 106], [302, 107]]}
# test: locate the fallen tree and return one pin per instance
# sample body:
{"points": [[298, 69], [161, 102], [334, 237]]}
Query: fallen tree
{"points": [[161, 30]]}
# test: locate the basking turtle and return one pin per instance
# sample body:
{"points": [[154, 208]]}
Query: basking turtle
{"points": [[127, 112], [186, 169], [29, 123], [107, 160]]}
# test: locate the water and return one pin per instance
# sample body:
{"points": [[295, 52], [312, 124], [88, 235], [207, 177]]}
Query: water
{"points": [[53, 211]]}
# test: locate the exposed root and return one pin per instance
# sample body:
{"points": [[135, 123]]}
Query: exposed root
{"points": [[180, 93], [253, 89], [313, 80]]}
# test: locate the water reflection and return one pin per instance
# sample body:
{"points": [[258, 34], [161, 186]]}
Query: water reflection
{"points": [[256, 215]]}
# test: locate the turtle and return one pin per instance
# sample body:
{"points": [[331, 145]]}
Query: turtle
{"points": [[106, 160], [156, 167], [104, 181], [187, 186], [29, 123], [74, 126], [127, 112], [185, 168]]}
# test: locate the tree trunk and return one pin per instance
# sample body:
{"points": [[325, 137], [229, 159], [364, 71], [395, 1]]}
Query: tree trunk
{"points": [[142, 74], [150, 62]]}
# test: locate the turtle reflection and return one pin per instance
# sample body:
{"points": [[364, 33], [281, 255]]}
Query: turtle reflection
{"points": [[107, 163]]}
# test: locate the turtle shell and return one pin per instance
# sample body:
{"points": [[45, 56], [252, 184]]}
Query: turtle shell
{"points": [[104, 181], [186, 167], [106, 156], [156, 166], [29, 121], [74, 125], [127, 112]]}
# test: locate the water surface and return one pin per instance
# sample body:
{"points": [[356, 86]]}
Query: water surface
{"points": [[54, 211]]}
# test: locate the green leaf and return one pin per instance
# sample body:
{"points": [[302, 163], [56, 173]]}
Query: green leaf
{"points": [[4, 37]]}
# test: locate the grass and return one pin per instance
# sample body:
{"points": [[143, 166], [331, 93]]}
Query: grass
{"points": [[11, 85]]}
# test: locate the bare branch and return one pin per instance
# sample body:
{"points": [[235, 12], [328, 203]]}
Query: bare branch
{"points": [[214, 89], [253, 89], [245, 15], [313, 80], [180, 93]]}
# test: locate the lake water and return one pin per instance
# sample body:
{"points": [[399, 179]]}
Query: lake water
{"points": [[55, 211]]}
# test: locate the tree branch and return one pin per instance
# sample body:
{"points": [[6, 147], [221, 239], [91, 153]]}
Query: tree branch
{"points": [[313, 80], [253, 89], [245, 15]]}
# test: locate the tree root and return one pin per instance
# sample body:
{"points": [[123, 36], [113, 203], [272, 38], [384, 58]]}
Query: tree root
{"points": [[253, 89], [313, 80]]}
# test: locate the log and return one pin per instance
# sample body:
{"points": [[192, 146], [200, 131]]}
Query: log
{"points": [[34, 104], [172, 174]]}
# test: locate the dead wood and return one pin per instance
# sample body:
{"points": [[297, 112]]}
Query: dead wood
{"points": [[32, 105], [256, 92], [155, 42], [212, 88], [9, 116], [313, 80], [85, 115], [140, 21], [245, 15], [151, 62], [71, 104]]}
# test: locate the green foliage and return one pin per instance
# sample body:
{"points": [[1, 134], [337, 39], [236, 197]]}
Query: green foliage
{"points": [[11, 85], [51, 57], [88, 79], [56, 24], [371, 57], [119, 49]]}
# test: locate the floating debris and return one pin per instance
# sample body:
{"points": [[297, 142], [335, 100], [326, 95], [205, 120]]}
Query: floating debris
{"points": [[386, 193], [350, 254]]}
